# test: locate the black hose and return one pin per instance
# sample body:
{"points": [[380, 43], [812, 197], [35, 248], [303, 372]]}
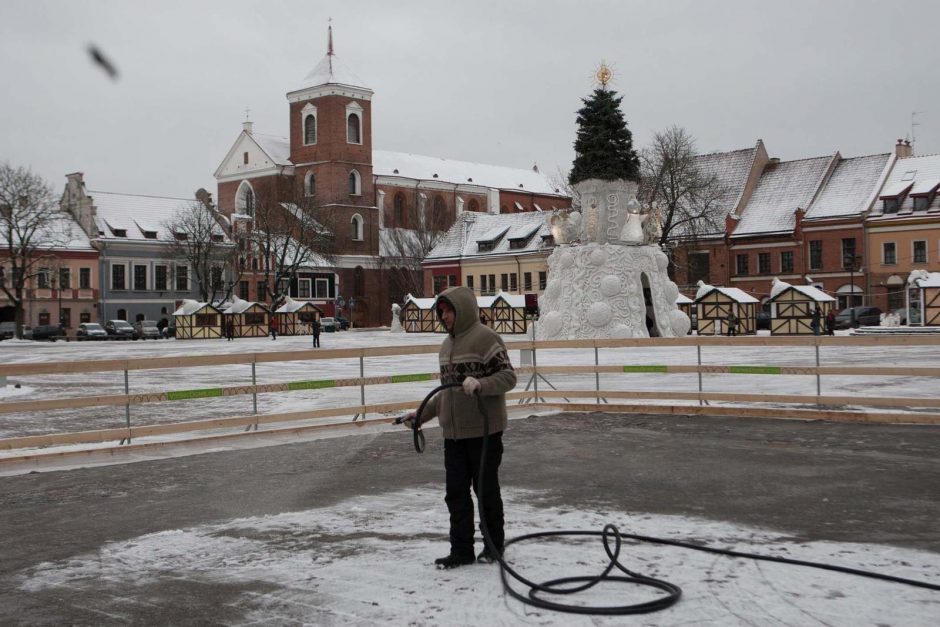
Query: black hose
{"points": [[572, 585]]}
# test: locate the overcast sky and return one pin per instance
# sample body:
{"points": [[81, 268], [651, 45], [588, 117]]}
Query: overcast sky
{"points": [[488, 81]]}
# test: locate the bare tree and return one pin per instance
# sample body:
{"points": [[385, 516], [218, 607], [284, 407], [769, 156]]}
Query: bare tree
{"points": [[406, 245], [31, 226], [195, 237], [689, 197], [287, 236]]}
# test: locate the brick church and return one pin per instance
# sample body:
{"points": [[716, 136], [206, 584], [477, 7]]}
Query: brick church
{"points": [[370, 195]]}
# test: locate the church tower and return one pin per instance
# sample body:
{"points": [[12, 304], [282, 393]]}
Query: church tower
{"points": [[331, 134]]}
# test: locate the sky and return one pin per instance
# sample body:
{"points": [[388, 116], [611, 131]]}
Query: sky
{"points": [[489, 81]]}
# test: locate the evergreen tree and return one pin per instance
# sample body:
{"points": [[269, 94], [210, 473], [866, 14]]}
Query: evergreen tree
{"points": [[604, 145]]}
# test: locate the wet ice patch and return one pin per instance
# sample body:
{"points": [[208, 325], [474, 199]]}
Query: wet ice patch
{"points": [[370, 559]]}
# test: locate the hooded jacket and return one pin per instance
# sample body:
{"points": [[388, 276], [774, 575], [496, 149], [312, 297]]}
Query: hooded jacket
{"points": [[471, 350]]}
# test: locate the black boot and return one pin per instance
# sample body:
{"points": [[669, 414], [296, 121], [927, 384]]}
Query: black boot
{"points": [[487, 557], [453, 561]]}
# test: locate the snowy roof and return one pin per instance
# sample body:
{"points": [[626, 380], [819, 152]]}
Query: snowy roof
{"points": [[331, 71], [851, 188], [813, 293], [189, 307], [782, 188], [682, 299], [136, 216], [239, 306], [420, 167], [734, 293], [421, 303], [514, 300], [461, 239], [278, 148], [62, 232], [290, 305], [922, 278], [919, 174]]}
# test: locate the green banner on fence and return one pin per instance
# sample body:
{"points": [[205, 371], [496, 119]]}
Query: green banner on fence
{"points": [[646, 368], [312, 385], [754, 369], [185, 395], [408, 378]]}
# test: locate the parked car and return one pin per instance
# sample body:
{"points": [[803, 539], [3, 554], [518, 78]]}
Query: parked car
{"points": [[120, 330], [763, 320], [329, 325], [49, 332], [8, 331], [343, 323], [90, 331], [169, 330], [147, 329], [902, 315], [854, 317]]}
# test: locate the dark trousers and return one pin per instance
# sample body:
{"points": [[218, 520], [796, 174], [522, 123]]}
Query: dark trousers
{"points": [[316, 340], [462, 463]]}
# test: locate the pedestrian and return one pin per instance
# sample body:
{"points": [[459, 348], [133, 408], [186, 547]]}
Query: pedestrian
{"points": [[229, 328], [732, 323], [272, 327], [475, 356], [817, 318], [316, 334], [831, 322]]}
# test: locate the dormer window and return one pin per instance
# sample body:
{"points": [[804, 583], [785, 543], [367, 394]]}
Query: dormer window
{"points": [[150, 234], [891, 205], [119, 232], [180, 236], [921, 203], [491, 240]]}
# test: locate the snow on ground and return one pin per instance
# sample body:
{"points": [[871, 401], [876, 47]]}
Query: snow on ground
{"points": [[368, 560]]}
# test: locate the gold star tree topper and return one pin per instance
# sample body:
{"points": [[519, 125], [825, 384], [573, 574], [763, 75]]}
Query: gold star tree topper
{"points": [[604, 74]]}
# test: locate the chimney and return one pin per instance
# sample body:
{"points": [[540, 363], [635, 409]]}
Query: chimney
{"points": [[903, 149], [535, 167], [246, 126]]}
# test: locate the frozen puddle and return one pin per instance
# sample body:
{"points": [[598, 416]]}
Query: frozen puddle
{"points": [[368, 560]]}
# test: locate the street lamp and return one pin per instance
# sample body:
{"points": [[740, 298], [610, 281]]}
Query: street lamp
{"points": [[852, 264]]}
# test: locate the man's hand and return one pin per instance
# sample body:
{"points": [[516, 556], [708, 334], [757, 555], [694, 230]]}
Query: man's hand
{"points": [[409, 419], [471, 386]]}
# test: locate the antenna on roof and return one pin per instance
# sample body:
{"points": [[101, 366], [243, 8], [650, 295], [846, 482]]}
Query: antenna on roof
{"points": [[914, 124]]}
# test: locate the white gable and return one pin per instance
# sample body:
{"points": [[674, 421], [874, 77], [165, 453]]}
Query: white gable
{"points": [[265, 153]]}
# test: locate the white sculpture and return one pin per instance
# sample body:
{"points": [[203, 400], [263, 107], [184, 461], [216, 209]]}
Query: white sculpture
{"points": [[615, 284], [395, 327]]}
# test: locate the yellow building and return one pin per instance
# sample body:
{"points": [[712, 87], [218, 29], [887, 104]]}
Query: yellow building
{"points": [[903, 230], [492, 253]]}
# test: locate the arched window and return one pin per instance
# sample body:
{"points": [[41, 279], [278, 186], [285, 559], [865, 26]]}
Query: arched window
{"points": [[122, 314], [474, 205], [399, 209], [356, 227], [355, 183], [359, 281], [310, 129], [245, 199], [438, 211], [353, 129], [310, 184]]}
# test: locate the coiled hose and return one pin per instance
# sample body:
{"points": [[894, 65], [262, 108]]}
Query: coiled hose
{"points": [[612, 540]]}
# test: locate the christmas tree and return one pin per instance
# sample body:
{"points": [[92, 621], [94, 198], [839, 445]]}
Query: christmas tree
{"points": [[604, 145]]}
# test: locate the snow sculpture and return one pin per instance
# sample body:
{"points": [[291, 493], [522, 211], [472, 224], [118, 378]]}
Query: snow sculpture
{"points": [[396, 320], [613, 285]]}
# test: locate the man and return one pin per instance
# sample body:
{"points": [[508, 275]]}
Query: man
{"points": [[475, 356], [316, 334]]}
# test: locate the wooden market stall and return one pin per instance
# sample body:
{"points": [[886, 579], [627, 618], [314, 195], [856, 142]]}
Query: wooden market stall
{"points": [[687, 306], [507, 313], [296, 317], [714, 304], [249, 319], [791, 308], [923, 295], [197, 321], [419, 316]]}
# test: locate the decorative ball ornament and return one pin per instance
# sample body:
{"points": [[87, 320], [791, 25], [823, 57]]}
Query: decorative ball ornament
{"points": [[679, 322], [603, 74], [610, 285], [566, 260], [599, 315], [551, 324], [552, 290], [670, 291], [598, 257]]}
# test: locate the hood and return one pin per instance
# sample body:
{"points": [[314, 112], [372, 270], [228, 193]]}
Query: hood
{"points": [[464, 302]]}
